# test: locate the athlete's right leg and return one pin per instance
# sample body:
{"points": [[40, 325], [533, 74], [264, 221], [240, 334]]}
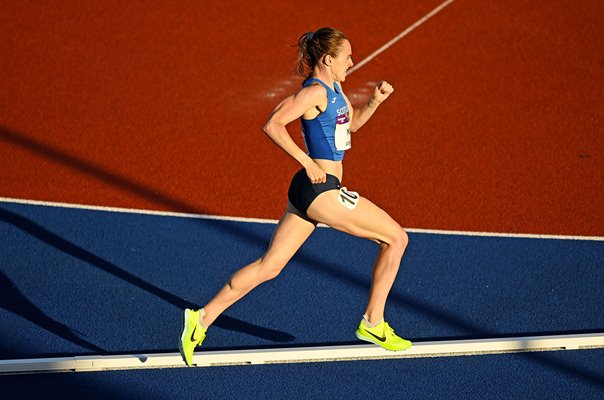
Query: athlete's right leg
{"points": [[369, 221], [291, 232]]}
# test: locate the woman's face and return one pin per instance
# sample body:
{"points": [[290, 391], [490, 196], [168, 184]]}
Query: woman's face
{"points": [[342, 62]]}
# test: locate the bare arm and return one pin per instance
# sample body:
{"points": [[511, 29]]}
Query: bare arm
{"points": [[361, 115], [289, 110]]}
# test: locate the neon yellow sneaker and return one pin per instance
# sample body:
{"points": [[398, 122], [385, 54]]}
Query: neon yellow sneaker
{"points": [[192, 335], [382, 335]]}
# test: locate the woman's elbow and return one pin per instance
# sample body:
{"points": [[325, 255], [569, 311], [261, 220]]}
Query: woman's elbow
{"points": [[266, 128], [271, 128]]}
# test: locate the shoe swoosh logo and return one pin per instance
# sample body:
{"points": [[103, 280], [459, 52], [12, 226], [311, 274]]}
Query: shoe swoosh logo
{"points": [[380, 338], [192, 337]]}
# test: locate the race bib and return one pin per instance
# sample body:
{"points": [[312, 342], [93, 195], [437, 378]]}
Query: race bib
{"points": [[348, 198], [342, 134]]}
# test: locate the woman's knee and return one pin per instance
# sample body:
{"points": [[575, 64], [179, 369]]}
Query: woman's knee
{"points": [[270, 268], [254, 274], [398, 239]]}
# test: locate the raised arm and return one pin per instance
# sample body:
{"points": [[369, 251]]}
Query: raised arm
{"points": [[362, 115]]}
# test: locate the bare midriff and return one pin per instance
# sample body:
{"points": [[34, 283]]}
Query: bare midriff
{"points": [[331, 167]]}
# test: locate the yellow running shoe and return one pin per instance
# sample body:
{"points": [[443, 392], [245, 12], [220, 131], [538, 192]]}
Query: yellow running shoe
{"points": [[192, 335], [382, 335]]}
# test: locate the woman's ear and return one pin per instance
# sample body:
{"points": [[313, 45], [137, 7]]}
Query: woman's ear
{"points": [[327, 60]]}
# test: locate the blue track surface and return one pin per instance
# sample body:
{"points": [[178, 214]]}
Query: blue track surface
{"points": [[95, 282]]}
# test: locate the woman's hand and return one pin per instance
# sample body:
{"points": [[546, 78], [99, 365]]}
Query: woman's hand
{"points": [[381, 92], [314, 172], [360, 116]]}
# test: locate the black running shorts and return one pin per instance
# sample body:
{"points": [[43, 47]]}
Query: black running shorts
{"points": [[302, 192]]}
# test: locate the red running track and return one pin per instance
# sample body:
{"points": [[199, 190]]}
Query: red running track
{"points": [[496, 123]]}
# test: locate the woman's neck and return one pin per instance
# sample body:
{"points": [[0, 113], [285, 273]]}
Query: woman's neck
{"points": [[324, 76]]}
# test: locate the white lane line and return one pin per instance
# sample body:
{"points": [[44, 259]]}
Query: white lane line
{"points": [[400, 36], [465, 347], [135, 211], [507, 235], [274, 221]]}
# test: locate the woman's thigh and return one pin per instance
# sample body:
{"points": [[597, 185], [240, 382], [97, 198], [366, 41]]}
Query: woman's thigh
{"points": [[291, 232], [366, 220]]}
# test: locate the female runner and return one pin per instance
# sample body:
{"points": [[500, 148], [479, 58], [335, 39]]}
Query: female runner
{"points": [[315, 194]]}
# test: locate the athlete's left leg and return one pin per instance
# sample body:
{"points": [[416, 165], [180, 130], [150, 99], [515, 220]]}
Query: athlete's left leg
{"points": [[291, 232]]}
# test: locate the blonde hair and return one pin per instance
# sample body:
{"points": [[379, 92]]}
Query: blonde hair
{"points": [[312, 46]]}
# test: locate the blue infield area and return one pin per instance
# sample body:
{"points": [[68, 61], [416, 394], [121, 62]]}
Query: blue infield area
{"points": [[78, 282], [97, 282]]}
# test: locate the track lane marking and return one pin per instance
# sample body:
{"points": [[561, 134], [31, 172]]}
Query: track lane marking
{"points": [[274, 221], [401, 35]]}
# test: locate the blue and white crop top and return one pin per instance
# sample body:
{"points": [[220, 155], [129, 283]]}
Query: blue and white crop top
{"points": [[328, 135]]}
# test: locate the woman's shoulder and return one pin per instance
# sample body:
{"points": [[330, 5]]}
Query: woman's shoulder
{"points": [[314, 88], [313, 81]]}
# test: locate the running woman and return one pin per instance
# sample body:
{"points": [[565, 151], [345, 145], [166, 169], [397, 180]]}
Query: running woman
{"points": [[315, 194]]}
